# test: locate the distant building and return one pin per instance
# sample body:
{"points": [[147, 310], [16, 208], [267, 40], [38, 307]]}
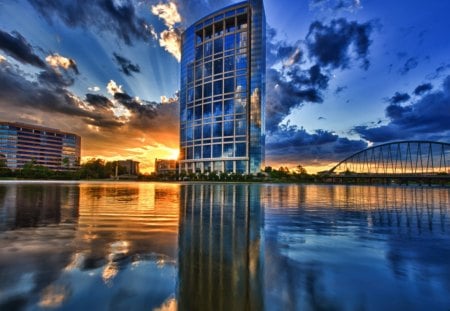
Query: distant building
{"points": [[222, 94], [165, 166], [22, 143], [131, 167]]}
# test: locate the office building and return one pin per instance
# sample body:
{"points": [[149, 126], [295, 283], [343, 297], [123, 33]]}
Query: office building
{"points": [[24, 143], [163, 166], [222, 91], [131, 167]]}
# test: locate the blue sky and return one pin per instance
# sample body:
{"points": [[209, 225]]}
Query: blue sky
{"points": [[342, 74]]}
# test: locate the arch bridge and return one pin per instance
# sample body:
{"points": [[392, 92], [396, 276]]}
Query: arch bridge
{"points": [[398, 159]]}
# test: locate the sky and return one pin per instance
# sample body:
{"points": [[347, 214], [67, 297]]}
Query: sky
{"points": [[342, 75]]}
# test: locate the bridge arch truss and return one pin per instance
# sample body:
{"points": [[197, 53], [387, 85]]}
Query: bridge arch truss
{"points": [[399, 158]]}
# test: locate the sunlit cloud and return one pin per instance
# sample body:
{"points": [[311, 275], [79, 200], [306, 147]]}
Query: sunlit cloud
{"points": [[169, 100], [57, 61], [168, 13], [113, 87], [169, 39], [2, 58]]}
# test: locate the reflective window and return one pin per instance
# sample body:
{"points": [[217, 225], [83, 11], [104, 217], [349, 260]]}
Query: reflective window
{"points": [[198, 112], [197, 152], [199, 52], [242, 21], [217, 109], [208, 33], [240, 150], [227, 150], [218, 65], [230, 25], [241, 40], [229, 63], [229, 85], [218, 87], [206, 130], [241, 167], [217, 151], [228, 106], [229, 42], [218, 45], [199, 37], [198, 132], [190, 114], [241, 127], [218, 29], [207, 151], [198, 72], [190, 94], [206, 111], [189, 153], [229, 166], [241, 61], [207, 90], [228, 128], [217, 129], [241, 84], [208, 48], [208, 69]]}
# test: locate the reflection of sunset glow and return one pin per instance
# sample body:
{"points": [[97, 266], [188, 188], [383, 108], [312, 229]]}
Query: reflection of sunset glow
{"points": [[168, 305], [109, 272], [53, 296], [76, 262]]}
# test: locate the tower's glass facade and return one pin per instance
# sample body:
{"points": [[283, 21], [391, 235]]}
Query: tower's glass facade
{"points": [[222, 92]]}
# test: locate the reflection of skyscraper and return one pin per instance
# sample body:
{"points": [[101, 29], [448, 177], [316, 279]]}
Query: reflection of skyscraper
{"points": [[222, 91], [220, 266]]}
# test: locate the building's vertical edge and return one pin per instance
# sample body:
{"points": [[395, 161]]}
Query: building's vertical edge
{"points": [[257, 86]]}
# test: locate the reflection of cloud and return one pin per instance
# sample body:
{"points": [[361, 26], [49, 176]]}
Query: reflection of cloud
{"points": [[53, 296], [2, 58], [169, 305]]}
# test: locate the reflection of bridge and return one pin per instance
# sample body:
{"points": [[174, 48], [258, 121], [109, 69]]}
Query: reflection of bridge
{"points": [[405, 160]]}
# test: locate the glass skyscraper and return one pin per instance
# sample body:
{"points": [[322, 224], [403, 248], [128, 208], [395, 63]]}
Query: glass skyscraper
{"points": [[222, 93]]}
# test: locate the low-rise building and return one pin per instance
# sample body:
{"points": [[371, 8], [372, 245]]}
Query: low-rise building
{"points": [[163, 166], [131, 167], [22, 143]]}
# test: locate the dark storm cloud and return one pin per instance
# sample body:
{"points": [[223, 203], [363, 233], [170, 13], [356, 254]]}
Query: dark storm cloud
{"points": [[16, 46], [99, 101], [146, 109], [420, 89], [409, 65], [426, 118], [284, 95], [17, 91], [126, 66], [333, 45], [293, 145], [399, 98], [53, 79], [330, 47], [119, 18]]}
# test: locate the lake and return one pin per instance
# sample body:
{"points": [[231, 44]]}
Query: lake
{"points": [[193, 246]]}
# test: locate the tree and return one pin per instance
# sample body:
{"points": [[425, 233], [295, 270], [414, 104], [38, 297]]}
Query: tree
{"points": [[301, 170]]}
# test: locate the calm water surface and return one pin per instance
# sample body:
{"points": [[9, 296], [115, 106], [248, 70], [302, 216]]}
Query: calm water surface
{"points": [[152, 246]]}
